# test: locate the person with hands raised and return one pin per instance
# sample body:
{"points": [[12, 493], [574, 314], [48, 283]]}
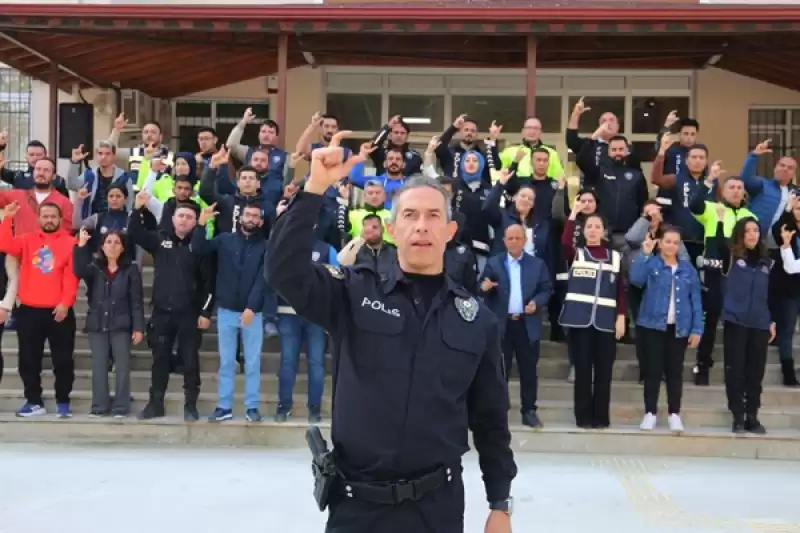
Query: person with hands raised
{"points": [[394, 136], [451, 157], [597, 144], [23, 179], [98, 179], [47, 291], [115, 320], [669, 318], [136, 160], [785, 287], [521, 153], [768, 196], [240, 290], [382, 398]]}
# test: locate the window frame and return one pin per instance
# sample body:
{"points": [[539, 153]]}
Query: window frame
{"points": [[213, 120]]}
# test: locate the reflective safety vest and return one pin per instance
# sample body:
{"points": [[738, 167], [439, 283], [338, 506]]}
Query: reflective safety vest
{"points": [[591, 299], [163, 191], [357, 222], [139, 165]]}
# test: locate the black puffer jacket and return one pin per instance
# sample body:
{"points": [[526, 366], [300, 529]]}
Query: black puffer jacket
{"points": [[114, 307]]}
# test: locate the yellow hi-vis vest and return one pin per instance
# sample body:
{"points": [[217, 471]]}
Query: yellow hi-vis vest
{"points": [[140, 165], [357, 222]]}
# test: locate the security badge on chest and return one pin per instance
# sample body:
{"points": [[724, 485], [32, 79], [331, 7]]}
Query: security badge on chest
{"points": [[467, 308], [335, 271], [461, 249]]}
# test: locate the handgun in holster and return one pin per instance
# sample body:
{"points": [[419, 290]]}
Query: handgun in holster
{"points": [[323, 466]]}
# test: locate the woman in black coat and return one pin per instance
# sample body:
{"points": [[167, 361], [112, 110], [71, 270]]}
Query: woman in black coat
{"points": [[115, 318]]}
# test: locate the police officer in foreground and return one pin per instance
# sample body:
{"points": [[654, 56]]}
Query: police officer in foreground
{"points": [[417, 362]]}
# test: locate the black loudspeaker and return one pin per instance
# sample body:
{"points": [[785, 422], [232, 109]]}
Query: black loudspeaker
{"points": [[75, 128]]}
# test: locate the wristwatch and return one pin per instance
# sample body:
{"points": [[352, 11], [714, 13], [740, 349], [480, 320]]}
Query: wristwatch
{"points": [[506, 506]]}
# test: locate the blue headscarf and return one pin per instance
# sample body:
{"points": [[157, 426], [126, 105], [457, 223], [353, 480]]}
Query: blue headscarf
{"points": [[477, 176], [192, 162]]}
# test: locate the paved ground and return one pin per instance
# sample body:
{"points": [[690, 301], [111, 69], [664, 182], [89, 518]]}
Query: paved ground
{"points": [[132, 490]]}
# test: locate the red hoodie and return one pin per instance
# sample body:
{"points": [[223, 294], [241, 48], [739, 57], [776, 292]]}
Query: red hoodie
{"points": [[46, 278]]}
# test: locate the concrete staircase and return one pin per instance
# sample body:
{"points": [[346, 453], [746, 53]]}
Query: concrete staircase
{"points": [[704, 408]]}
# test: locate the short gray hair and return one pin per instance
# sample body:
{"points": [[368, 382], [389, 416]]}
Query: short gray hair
{"points": [[107, 144], [419, 181]]}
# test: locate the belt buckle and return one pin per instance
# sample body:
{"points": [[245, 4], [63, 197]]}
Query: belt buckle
{"points": [[403, 490], [515, 316]]}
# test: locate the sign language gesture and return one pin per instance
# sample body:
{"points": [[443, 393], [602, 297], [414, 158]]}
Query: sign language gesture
{"points": [[602, 131], [494, 130], [158, 164], [671, 119], [141, 199], [84, 193], [763, 147], [220, 158], [316, 119], [248, 116], [78, 154], [120, 122], [366, 149], [715, 172], [207, 214], [295, 158], [667, 140], [459, 121], [787, 236], [433, 144], [720, 211], [487, 285], [328, 166], [577, 205], [649, 244], [580, 107], [83, 237], [501, 176], [11, 210]]}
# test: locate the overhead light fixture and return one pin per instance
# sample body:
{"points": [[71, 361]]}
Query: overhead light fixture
{"points": [[416, 120]]}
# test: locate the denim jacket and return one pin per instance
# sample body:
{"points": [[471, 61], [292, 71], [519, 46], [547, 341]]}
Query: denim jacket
{"points": [[651, 274]]}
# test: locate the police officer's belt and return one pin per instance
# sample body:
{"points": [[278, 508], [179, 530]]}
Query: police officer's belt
{"points": [[400, 491]]}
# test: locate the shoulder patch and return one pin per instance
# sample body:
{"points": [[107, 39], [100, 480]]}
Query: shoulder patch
{"points": [[467, 308], [461, 249], [336, 272]]}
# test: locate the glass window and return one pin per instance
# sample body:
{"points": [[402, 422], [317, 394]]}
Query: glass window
{"points": [[235, 110], [649, 114], [357, 112], [427, 110], [193, 109], [598, 105], [187, 138], [508, 111], [645, 150], [548, 111], [15, 96], [249, 138]]}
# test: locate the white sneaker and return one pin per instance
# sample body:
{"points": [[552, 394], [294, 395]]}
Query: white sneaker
{"points": [[571, 376], [675, 423], [648, 422]]}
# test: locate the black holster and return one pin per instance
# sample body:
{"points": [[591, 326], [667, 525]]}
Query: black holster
{"points": [[323, 467]]}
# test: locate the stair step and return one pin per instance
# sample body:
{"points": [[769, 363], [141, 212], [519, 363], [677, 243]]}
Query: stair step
{"points": [[554, 438]]}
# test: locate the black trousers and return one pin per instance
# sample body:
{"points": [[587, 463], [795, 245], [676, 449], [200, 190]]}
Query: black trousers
{"points": [[594, 351], [712, 308], [634, 299], [516, 344], [554, 305], [663, 356], [745, 361], [35, 325], [167, 327], [441, 511]]}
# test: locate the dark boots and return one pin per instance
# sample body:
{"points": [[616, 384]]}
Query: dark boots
{"points": [[701, 375], [789, 374]]}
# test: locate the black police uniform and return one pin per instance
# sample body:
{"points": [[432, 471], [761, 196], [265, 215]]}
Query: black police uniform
{"points": [[407, 386], [461, 265]]}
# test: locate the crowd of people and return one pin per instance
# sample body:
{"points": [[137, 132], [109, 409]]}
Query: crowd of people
{"points": [[608, 264]]}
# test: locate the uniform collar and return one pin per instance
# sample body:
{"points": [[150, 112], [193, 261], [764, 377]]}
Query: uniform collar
{"points": [[397, 276]]}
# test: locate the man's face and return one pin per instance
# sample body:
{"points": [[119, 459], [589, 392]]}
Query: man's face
{"points": [[250, 219], [260, 161], [612, 121], [116, 200], [43, 173], [247, 183], [182, 167], [784, 170], [372, 231], [34, 154], [330, 127], [394, 163], [206, 142], [267, 135], [532, 130], [541, 162], [469, 132], [696, 160], [733, 191], [49, 219], [617, 150], [374, 195], [151, 134], [105, 157], [688, 136], [514, 240], [398, 135], [182, 191], [421, 230], [184, 220]]}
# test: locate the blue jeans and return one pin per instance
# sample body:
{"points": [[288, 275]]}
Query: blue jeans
{"points": [[294, 330], [228, 326], [784, 324]]}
